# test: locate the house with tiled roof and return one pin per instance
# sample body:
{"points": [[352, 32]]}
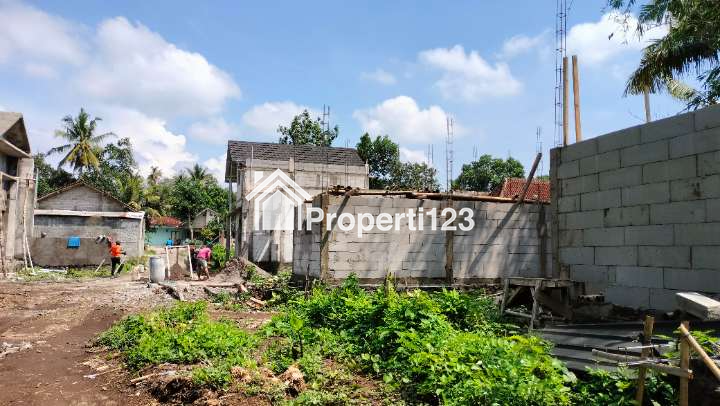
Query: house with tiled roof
{"points": [[162, 229], [264, 225], [539, 190]]}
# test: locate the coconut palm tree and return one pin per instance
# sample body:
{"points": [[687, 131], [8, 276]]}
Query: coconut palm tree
{"points": [[83, 145], [198, 173], [154, 175], [692, 44]]}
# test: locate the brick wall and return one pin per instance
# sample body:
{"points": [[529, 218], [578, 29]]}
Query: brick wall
{"points": [[503, 242], [638, 210]]}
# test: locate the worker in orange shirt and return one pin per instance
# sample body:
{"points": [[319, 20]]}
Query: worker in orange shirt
{"points": [[116, 252]]}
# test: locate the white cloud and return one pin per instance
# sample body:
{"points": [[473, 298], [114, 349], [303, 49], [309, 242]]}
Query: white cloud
{"points": [[265, 118], [215, 130], [468, 76], [521, 44], [413, 155], [135, 66], [380, 76], [601, 41], [402, 119], [216, 166], [40, 70], [154, 144], [27, 33]]}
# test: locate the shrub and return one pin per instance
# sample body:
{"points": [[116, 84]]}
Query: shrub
{"points": [[217, 259]]}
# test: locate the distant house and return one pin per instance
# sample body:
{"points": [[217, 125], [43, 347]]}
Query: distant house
{"points": [[18, 190], [76, 215], [164, 228], [512, 188], [203, 219], [263, 229]]}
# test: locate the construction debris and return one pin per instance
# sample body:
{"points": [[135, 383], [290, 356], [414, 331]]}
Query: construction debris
{"points": [[698, 305]]}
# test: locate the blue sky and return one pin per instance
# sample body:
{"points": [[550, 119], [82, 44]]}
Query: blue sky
{"points": [[180, 78]]}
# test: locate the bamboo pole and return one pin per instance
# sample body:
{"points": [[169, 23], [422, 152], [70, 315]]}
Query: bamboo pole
{"points": [[528, 182], [565, 113], [637, 362], [646, 98], [698, 349], [642, 372], [684, 364], [576, 98]]}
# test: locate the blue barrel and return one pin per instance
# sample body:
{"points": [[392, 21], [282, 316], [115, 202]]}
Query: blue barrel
{"points": [[157, 269]]}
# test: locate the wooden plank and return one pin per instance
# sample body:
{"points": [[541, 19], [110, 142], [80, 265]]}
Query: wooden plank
{"points": [[533, 315], [325, 241], [503, 301], [565, 114], [646, 352], [576, 98], [698, 305], [449, 248], [530, 177]]}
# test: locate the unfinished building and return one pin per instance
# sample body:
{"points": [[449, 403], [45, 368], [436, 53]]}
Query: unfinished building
{"points": [[312, 168], [68, 220], [18, 191]]}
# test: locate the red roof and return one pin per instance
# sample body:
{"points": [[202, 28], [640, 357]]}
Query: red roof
{"points": [[539, 189], [166, 221]]}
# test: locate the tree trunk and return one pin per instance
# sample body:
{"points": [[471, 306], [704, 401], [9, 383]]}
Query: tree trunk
{"points": [[191, 230]]}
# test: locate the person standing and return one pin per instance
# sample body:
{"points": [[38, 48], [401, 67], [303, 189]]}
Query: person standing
{"points": [[115, 255], [203, 256]]}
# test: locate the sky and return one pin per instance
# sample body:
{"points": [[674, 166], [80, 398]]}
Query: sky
{"points": [[181, 78]]}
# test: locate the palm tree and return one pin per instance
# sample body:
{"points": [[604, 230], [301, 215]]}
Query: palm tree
{"points": [[154, 176], [692, 43], [83, 145], [198, 173]]}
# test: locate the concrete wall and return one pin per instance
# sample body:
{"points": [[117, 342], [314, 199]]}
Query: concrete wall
{"points": [[639, 210], [52, 252], [127, 230], [277, 246], [504, 242]]}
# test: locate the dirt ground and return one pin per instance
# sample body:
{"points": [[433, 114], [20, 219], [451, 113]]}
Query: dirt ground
{"points": [[44, 330]]}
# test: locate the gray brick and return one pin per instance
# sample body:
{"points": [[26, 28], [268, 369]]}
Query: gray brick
{"points": [[696, 280], [616, 256], [706, 257], [678, 257], [708, 117], [649, 235], [646, 194], [663, 299], [630, 176], [607, 237], [581, 220], [571, 238], [579, 150], [672, 169], [695, 188], [577, 255], [568, 170], [697, 234], [600, 163], [667, 128], [619, 139], [582, 184], [569, 203], [645, 277], [678, 212], [589, 273], [697, 143], [600, 200], [709, 163], [627, 216], [644, 153], [628, 296], [713, 209]]}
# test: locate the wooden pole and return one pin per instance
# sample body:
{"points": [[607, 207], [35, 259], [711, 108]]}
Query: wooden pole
{"points": [[565, 117], [530, 177], [576, 98], [646, 97], [647, 334], [684, 364], [698, 349]]}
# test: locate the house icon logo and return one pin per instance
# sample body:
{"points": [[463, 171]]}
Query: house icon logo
{"points": [[275, 200]]}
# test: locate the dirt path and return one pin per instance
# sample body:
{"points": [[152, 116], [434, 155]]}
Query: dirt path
{"points": [[46, 326]]}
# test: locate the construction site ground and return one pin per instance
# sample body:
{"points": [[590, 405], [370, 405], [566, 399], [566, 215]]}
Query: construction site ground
{"points": [[45, 329]]}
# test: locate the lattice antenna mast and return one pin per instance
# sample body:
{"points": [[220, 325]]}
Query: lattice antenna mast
{"points": [[449, 153], [538, 149], [561, 13]]}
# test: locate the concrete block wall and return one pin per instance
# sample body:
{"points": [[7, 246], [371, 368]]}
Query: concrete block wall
{"points": [[131, 232], [638, 210], [503, 242]]}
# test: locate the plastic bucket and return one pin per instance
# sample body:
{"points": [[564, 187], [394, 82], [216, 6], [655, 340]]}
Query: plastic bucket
{"points": [[157, 269]]}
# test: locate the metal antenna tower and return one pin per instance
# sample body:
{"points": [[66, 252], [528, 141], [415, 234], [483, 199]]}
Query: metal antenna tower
{"points": [[561, 12], [538, 148], [325, 123], [475, 152], [449, 152]]}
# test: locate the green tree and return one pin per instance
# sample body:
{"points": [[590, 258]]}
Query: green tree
{"points": [[116, 173], [304, 130], [692, 44], [413, 176], [189, 196], [381, 155], [83, 145], [154, 176], [50, 178], [487, 173], [198, 173]]}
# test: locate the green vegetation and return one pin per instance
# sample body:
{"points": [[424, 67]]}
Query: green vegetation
{"points": [[487, 173], [304, 130]]}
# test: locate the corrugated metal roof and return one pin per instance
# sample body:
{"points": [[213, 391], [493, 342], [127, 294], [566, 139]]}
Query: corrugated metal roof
{"points": [[240, 151]]}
